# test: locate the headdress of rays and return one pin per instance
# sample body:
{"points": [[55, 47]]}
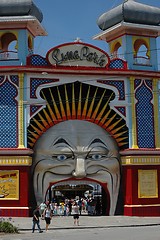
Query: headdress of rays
{"points": [[78, 101]]}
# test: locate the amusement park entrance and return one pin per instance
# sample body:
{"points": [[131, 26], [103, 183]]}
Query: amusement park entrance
{"points": [[92, 194]]}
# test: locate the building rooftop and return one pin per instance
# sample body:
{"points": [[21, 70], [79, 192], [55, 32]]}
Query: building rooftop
{"points": [[21, 8], [132, 12]]}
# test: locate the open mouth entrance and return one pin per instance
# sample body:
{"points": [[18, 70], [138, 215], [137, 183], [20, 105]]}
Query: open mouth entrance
{"points": [[95, 198]]}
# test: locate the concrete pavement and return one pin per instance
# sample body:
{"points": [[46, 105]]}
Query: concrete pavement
{"points": [[61, 222]]}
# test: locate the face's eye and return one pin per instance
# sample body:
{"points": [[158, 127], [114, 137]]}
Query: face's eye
{"points": [[96, 156], [61, 157]]}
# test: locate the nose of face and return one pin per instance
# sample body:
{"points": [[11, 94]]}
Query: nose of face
{"points": [[80, 169]]}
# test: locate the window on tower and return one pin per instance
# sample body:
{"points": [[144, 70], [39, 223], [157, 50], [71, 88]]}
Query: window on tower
{"points": [[8, 46], [141, 52]]}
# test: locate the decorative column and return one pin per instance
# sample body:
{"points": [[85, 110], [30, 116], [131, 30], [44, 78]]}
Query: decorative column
{"points": [[156, 113], [20, 113], [134, 132]]}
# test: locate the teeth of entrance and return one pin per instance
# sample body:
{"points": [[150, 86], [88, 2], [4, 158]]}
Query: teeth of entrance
{"points": [[74, 183], [74, 188]]}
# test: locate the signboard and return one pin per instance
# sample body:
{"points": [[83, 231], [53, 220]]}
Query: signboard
{"points": [[9, 185], [147, 184], [78, 54]]}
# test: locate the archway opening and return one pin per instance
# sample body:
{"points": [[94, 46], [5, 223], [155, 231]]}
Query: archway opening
{"points": [[93, 197]]}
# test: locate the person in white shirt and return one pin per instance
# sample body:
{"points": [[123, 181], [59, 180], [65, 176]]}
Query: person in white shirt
{"points": [[47, 216], [42, 206], [75, 213]]}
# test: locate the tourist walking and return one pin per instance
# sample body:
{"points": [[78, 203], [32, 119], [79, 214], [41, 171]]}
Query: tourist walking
{"points": [[36, 215], [42, 206], [75, 213], [47, 216]]}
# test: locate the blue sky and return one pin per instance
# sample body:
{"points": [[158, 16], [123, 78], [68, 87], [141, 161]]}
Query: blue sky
{"points": [[65, 20]]}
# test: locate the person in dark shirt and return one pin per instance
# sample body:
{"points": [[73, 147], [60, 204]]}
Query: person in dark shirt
{"points": [[80, 206], [36, 215], [98, 207], [70, 207]]}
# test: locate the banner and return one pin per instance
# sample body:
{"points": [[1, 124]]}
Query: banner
{"points": [[9, 185], [147, 184]]}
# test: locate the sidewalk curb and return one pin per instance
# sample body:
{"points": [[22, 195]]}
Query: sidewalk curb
{"points": [[92, 227]]}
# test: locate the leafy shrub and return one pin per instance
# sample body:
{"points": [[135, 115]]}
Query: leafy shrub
{"points": [[7, 227]]}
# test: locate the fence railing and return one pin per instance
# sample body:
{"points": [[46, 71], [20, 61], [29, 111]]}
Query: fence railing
{"points": [[141, 60], [8, 55]]}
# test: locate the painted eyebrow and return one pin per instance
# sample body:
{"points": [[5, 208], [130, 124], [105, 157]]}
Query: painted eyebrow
{"points": [[61, 140], [97, 140]]}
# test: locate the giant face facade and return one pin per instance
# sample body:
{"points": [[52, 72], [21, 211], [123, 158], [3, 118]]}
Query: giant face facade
{"points": [[77, 150]]}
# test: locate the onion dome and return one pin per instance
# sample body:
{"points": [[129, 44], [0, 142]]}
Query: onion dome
{"points": [[131, 12], [20, 8]]}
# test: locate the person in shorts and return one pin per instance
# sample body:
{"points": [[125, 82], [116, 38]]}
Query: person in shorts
{"points": [[75, 213], [47, 216]]}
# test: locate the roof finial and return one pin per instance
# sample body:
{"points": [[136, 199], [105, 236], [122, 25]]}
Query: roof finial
{"points": [[77, 40]]}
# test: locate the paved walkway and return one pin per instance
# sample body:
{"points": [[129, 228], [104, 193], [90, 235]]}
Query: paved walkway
{"points": [[25, 224]]}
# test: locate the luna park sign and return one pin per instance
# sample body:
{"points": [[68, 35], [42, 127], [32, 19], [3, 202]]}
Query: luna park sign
{"points": [[78, 54]]}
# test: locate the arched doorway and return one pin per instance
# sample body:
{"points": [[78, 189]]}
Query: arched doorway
{"points": [[95, 196]]}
